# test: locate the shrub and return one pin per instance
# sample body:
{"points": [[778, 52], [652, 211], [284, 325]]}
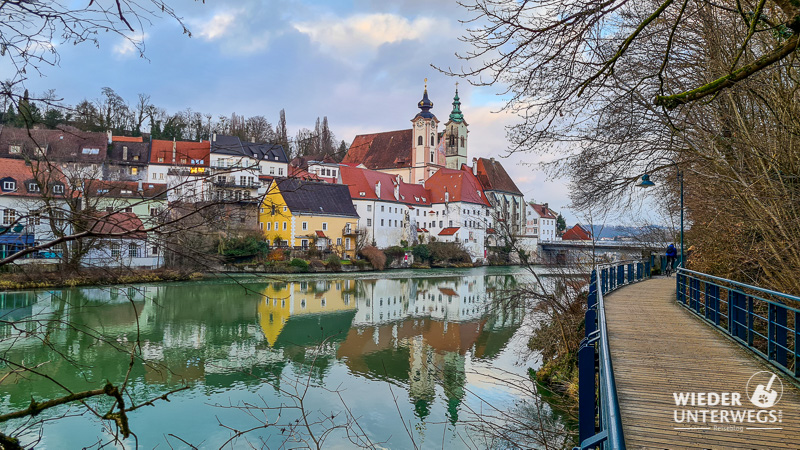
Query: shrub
{"points": [[421, 253], [375, 257], [277, 255], [360, 263], [404, 243], [448, 252], [300, 264], [394, 253], [334, 263]]}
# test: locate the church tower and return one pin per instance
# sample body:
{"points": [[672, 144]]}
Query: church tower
{"points": [[455, 136], [424, 142]]}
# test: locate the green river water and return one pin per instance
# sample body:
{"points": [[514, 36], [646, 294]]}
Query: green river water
{"points": [[400, 359]]}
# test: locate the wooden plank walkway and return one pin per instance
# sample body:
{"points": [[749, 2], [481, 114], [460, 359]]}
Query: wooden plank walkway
{"points": [[658, 348]]}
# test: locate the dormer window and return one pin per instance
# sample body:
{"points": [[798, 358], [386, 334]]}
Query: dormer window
{"points": [[15, 149], [9, 185], [58, 189], [33, 187], [161, 159]]}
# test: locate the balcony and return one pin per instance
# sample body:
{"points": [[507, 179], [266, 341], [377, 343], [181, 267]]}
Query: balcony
{"points": [[234, 184], [351, 231]]}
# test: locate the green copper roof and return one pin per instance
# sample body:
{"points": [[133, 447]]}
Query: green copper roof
{"points": [[456, 115]]}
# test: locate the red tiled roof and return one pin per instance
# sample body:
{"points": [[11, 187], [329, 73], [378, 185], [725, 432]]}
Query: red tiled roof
{"points": [[185, 153], [461, 185], [125, 189], [491, 231], [360, 180], [125, 223], [20, 171], [448, 291], [542, 211], [448, 231], [321, 234], [493, 177], [577, 233], [390, 149], [126, 139], [296, 172]]}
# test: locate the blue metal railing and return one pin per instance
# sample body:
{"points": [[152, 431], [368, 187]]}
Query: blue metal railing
{"points": [[599, 421], [758, 319]]}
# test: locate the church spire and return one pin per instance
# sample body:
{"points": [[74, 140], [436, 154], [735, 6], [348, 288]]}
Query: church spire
{"points": [[425, 104], [456, 116]]}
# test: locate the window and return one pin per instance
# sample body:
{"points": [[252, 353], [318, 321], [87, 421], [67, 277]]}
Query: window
{"points": [[324, 226], [14, 149], [432, 144], [33, 187], [272, 171], [369, 222], [280, 171], [35, 218], [115, 250], [183, 160], [261, 225], [305, 226], [369, 208], [440, 224], [154, 250], [134, 170], [462, 141], [381, 208], [160, 159], [304, 244], [284, 226], [338, 241], [9, 185], [133, 250], [153, 212], [450, 223], [58, 189], [276, 226], [135, 157], [419, 140], [381, 222], [269, 226], [284, 208], [431, 156], [9, 216]]}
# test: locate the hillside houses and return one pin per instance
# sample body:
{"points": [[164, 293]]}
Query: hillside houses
{"points": [[392, 188]]}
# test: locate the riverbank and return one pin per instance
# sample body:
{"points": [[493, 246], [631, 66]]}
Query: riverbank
{"points": [[91, 277], [107, 277]]}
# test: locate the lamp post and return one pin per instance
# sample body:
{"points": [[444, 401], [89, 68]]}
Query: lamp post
{"points": [[645, 182]]}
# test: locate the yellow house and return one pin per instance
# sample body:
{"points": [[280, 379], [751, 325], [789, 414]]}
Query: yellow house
{"points": [[299, 213], [284, 300]]}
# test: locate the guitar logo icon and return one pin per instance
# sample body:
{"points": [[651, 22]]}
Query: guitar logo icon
{"points": [[765, 396]]}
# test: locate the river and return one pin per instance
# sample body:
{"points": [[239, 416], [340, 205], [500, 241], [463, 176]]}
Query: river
{"points": [[399, 359]]}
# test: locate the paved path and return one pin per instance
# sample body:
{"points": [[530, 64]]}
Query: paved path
{"points": [[659, 348]]}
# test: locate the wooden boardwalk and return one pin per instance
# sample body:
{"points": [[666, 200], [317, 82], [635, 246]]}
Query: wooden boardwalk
{"points": [[658, 348]]}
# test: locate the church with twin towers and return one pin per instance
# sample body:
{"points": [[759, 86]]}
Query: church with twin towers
{"points": [[415, 154]]}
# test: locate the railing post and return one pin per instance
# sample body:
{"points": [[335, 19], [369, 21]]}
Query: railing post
{"points": [[750, 321], [639, 271], [712, 303], [630, 273], [797, 344], [587, 403], [620, 275], [777, 334]]}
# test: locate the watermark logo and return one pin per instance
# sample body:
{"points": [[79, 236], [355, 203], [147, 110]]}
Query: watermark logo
{"points": [[764, 389], [730, 411]]}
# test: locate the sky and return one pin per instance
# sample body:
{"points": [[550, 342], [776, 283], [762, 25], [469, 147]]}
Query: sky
{"points": [[360, 63]]}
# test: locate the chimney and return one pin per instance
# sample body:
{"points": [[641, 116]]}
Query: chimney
{"points": [[140, 188], [546, 208], [378, 189], [252, 140], [108, 134], [214, 136], [475, 166], [492, 159]]}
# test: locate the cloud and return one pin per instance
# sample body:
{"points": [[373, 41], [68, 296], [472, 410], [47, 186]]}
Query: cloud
{"points": [[130, 45], [217, 26], [367, 32]]}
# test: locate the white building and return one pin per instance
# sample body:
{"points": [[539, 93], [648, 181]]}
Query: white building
{"points": [[541, 222], [236, 167]]}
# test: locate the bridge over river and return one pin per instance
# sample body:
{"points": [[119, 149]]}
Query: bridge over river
{"points": [[655, 350]]}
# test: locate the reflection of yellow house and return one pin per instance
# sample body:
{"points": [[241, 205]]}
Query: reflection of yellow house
{"points": [[281, 301], [302, 213]]}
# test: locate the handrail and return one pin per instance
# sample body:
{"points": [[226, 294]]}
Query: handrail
{"points": [[768, 328], [600, 421]]}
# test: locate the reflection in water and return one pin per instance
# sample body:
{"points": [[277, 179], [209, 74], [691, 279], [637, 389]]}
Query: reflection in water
{"points": [[418, 333]]}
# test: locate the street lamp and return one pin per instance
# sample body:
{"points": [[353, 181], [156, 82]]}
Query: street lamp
{"points": [[645, 182]]}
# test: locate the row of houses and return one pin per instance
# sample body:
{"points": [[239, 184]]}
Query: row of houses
{"points": [[392, 188]]}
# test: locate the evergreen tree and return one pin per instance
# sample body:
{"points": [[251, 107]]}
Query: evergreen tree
{"points": [[561, 224]]}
